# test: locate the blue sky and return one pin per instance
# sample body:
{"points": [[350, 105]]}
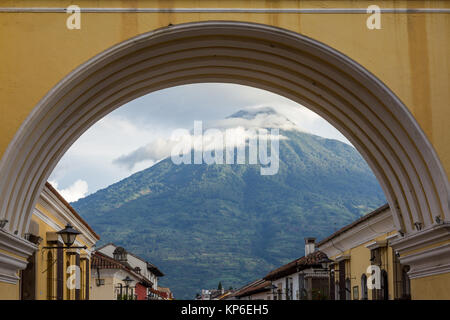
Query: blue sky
{"points": [[105, 153]]}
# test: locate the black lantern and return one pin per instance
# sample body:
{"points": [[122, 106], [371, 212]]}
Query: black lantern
{"points": [[325, 262], [68, 234], [127, 281]]}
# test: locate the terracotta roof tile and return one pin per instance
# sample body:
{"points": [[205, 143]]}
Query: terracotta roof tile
{"points": [[152, 267], [304, 262], [256, 286], [102, 261]]}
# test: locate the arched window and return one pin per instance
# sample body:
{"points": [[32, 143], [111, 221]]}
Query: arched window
{"points": [[82, 282], [67, 278], [119, 291], [384, 292], [348, 292], [50, 277], [364, 292], [336, 291], [406, 284]]}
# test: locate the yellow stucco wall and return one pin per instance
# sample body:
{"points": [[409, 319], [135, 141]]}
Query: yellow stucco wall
{"points": [[41, 256], [409, 54], [12, 291], [431, 288], [359, 260], [9, 291]]}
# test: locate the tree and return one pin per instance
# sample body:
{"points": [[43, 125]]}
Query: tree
{"points": [[219, 287]]}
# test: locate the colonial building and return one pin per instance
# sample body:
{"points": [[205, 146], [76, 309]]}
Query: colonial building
{"points": [[118, 274], [363, 249], [301, 279], [54, 271], [112, 279], [165, 293]]}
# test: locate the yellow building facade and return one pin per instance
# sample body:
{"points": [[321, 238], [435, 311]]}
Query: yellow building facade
{"points": [[385, 89], [52, 273], [364, 249]]}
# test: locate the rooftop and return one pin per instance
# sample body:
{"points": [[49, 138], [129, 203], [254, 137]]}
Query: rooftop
{"points": [[296, 265], [71, 209], [355, 223]]}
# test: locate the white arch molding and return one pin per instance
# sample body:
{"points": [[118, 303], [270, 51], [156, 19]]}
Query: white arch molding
{"points": [[281, 61]]}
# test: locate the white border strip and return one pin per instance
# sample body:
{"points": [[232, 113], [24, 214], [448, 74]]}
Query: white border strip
{"points": [[223, 10]]}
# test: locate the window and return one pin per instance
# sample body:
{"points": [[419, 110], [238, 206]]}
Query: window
{"points": [[348, 293], [364, 292], [279, 292], [119, 291], [384, 292], [375, 256], [406, 284], [288, 293], [342, 281], [332, 289], [402, 286], [67, 278], [355, 293], [291, 289], [336, 291], [82, 283], [303, 295], [50, 276]]}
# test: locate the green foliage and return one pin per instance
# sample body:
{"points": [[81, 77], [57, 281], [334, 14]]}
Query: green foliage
{"points": [[204, 223]]}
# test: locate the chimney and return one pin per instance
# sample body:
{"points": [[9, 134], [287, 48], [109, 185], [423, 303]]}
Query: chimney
{"points": [[310, 245]]}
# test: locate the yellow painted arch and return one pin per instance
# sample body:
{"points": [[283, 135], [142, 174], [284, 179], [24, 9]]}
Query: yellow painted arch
{"points": [[278, 60]]}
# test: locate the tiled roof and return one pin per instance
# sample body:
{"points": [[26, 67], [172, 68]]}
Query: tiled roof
{"points": [[150, 266], [102, 261], [155, 270], [99, 260], [162, 294], [304, 262], [64, 201], [256, 286], [225, 295], [355, 223]]}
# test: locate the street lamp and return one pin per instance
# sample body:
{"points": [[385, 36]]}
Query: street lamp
{"points": [[68, 234], [325, 262], [127, 281]]}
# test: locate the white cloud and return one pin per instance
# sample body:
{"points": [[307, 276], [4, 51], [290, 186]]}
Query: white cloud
{"points": [[234, 130], [77, 190], [141, 129]]}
